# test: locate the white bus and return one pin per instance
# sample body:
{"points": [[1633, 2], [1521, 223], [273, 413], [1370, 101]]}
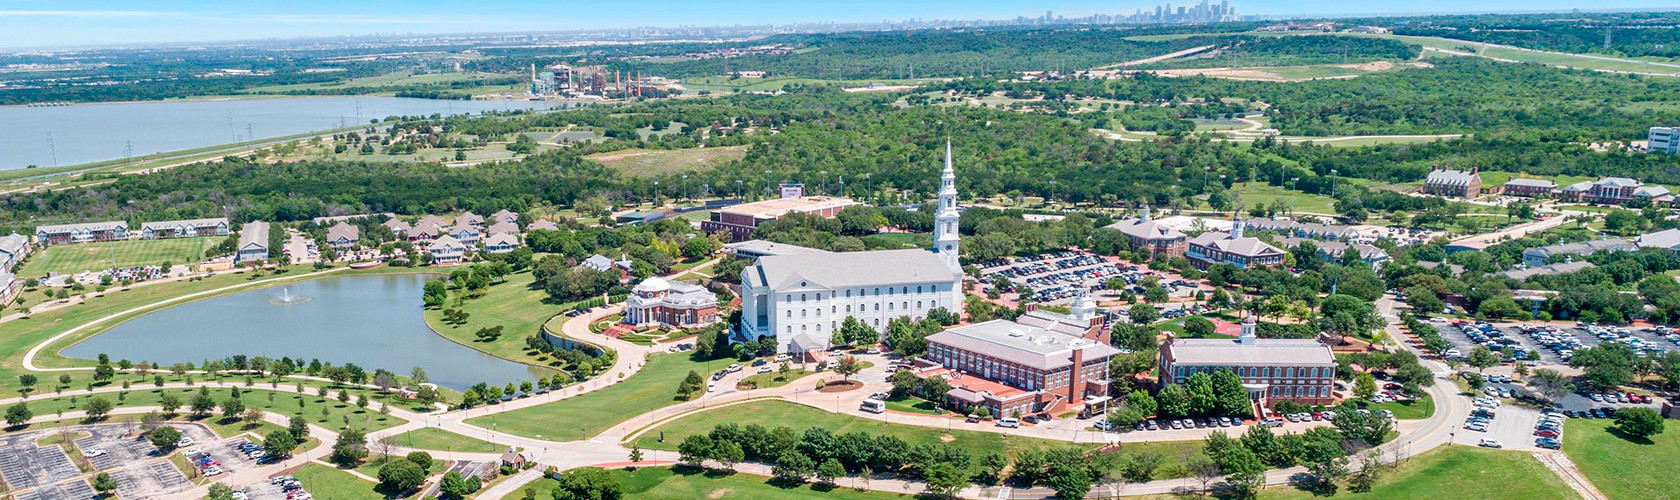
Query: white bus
{"points": [[874, 406]]}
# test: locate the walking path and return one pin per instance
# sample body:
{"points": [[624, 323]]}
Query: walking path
{"points": [[1560, 464]]}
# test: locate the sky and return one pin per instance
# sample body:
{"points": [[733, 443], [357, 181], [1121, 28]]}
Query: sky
{"points": [[60, 23]]}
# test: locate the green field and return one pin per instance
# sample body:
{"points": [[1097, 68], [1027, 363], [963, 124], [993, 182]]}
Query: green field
{"points": [[1450, 473], [432, 438], [1622, 468], [1414, 409], [284, 402], [774, 378], [1253, 194], [327, 483], [774, 413], [583, 417], [75, 258], [656, 162], [1531, 56], [515, 306]]}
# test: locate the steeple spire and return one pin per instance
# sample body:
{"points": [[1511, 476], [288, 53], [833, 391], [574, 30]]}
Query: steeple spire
{"points": [[946, 219]]}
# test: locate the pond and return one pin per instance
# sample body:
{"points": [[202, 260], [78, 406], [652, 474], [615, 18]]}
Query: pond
{"points": [[372, 321]]}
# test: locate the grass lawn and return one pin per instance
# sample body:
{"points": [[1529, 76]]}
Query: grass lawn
{"points": [[773, 414], [773, 379], [1622, 468], [284, 402], [1413, 409], [432, 438], [665, 483], [912, 404], [1257, 193], [327, 483], [654, 162], [513, 305], [68, 259], [582, 417], [1452, 472]]}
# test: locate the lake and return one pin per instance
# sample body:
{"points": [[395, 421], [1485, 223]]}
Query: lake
{"points": [[84, 133], [372, 321]]}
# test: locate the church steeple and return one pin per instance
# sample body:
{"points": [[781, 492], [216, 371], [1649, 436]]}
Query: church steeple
{"points": [[946, 220]]}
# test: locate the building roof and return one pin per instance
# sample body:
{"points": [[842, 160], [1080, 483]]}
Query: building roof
{"points": [[1146, 229], [1618, 182], [851, 269], [427, 227], [505, 215], [543, 225], [1018, 343], [765, 247], [429, 218], [1558, 268], [444, 243], [1259, 352], [1539, 183], [502, 226], [1650, 191], [463, 226], [469, 218], [1579, 186], [82, 226], [771, 209], [14, 244], [1667, 238], [1247, 246], [343, 230], [1335, 249], [1588, 247], [1451, 177], [397, 225], [190, 223], [254, 233], [501, 240], [600, 262]]}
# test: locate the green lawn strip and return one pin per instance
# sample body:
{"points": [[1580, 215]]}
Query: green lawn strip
{"points": [[70, 259], [773, 379], [665, 483], [772, 414], [327, 483], [371, 466], [1622, 468], [912, 404], [285, 403], [582, 417], [647, 163], [1458, 472], [1260, 193], [513, 305], [1411, 409], [432, 438]]}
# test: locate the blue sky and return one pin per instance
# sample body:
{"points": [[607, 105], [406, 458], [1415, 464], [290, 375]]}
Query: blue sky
{"points": [[35, 23]]}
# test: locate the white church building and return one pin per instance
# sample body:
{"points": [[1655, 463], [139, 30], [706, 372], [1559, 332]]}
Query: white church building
{"points": [[802, 299]]}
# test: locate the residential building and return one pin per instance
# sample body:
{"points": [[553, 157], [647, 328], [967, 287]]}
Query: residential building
{"points": [[329, 220], [543, 225], [658, 303], [343, 235], [432, 219], [1082, 319], [501, 243], [425, 231], [502, 227], [253, 244], [13, 248], [1014, 368], [470, 219], [465, 232], [1232, 248], [504, 215], [603, 263], [1566, 267], [1460, 183], [1532, 188], [1146, 235], [1616, 191], [1663, 140], [1539, 256], [740, 220], [1308, 230], [1333, 251], [10, 287], [446, 250], [753, 249], [62, 234], [398, 227], [514, 458], [217, 226], [1299, 370], [801, 299], [1667, 239]]}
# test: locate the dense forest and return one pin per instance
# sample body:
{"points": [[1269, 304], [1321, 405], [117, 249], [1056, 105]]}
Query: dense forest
{"points": [[1457, 95], [1632, 34]]}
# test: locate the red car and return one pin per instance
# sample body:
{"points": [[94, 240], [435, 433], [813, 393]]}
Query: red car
{"points": [[1546, 433]]}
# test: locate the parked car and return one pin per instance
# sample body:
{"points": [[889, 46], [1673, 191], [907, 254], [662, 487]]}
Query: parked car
{"points": [[1009, 422], [1490, 443]]}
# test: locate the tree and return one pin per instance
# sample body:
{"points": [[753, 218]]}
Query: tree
{"points": [[164, 438], [944, 479], [1230, 397], [202, 404], [793, 466], [18, 414], [829, 470], [1143, 314], [169, 402], [1639, 422], [279, 443], [1550, 383], [1070, 483], [588, 483], [97, 408], [1482, 358], [847, 367], [350, 449], [1142, 402], [103, 484], [219, 491], [232, 407], [1198, 326], [1364, 386], [1244, 471], [298, 427], [694, 449], [396, 475], [1326, 462], [728, 453], [454, 486], [691, 385], [1174, 402], [1202, 400]]}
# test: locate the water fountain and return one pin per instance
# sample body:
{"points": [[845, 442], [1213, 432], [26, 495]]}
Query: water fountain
{"points": [[286, 298]]}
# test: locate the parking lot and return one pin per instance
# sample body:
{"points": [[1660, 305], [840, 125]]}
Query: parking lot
{"points": [[25, 465], [1055, 275], [73, 490], [1511, 425], [140, 472]]}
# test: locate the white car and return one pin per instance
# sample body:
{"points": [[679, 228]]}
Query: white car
{"points": [[765, 369], [184, 442], [93, 452], [1490, 443]]}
